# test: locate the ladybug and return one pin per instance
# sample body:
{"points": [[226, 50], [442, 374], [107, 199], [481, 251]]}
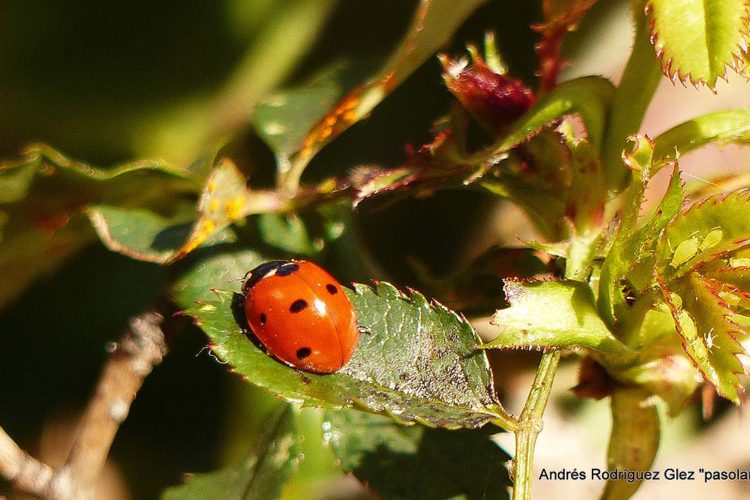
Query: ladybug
{"points": [[301, 315]]}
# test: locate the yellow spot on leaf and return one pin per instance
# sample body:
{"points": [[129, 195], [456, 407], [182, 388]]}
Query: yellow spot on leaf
{"points": [[233, 208]]}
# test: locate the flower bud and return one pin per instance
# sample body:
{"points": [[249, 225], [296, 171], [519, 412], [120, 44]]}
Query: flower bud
{"points": [[495, 100]]}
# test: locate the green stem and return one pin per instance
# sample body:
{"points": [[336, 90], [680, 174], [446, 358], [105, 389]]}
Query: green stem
{"points": [[577, 267], [632, 97], [289, 174], [530, 424]]}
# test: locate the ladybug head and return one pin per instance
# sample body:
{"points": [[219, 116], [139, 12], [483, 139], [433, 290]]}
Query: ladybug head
{"points": [[276, 267]]}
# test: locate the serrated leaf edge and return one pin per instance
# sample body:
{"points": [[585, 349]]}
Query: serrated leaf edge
{"points": [[736, 62]]}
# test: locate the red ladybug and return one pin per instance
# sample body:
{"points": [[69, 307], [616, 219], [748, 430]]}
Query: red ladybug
{"points": [[301, 315]]}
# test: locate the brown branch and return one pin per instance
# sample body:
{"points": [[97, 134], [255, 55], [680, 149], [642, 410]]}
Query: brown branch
{"points": [[22, 471], [140, 349]]}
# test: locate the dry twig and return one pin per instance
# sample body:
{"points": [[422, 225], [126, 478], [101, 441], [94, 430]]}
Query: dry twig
{"points": [[140, 349]]}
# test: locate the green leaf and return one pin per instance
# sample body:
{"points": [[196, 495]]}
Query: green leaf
{"points": [[16, 178], [284, 119], [262, 474], [641, 245], [663, 367], [735, 273], [144, 233], [214, 268], [722, 127], [673, 378], [707, 232], [704, 321], [287, 233], [550, 314], [536, 178], [416, 361], [631, 254], [634, 439], [43, 197], [224, 200], [415, 462], [590, 97], [433, 24], [695, 40]]}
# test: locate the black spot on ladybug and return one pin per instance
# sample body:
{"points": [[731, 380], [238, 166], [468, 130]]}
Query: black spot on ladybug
{"points": [[263, 318], [298, 305], [303, 352], [287, 269], [332, 289]]}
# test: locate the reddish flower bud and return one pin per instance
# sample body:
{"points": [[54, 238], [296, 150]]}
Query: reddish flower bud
{"points": [[494, 99]]}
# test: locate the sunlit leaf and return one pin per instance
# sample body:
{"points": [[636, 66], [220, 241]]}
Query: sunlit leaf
{"points": [[663, 366], [696, 40], [416, 361], [632, 97], [706, 232], [224, 200], [631, 254], [720, 128], [589, 97], [144, 233], [550, 314]]}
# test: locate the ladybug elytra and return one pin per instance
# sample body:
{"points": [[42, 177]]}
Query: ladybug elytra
{"points": [[301, 315]]}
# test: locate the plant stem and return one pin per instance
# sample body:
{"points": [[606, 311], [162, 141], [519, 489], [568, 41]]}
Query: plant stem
{"points": [[21, 470], [638, 85], [530, 424]]}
